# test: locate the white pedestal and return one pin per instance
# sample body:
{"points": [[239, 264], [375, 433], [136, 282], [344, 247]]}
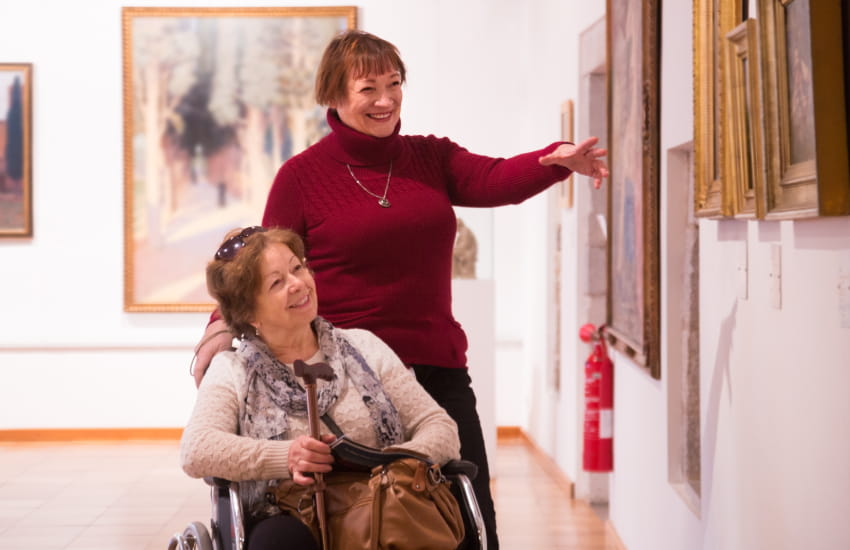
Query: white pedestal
{"points": [[474, 309]]}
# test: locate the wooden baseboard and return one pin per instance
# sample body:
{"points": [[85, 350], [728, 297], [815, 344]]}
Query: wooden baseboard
{"points": [[612, 533], [54, 435], [505, 434]]}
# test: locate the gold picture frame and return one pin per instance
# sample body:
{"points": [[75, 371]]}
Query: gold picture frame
{"points": [[805, 118], [16, 150], [215, 99], [713, 19], [633, 311], [565, 187], [744, 153]]}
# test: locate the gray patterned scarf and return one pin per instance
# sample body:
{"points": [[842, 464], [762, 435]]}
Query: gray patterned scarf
{"points": [[273, 394]]}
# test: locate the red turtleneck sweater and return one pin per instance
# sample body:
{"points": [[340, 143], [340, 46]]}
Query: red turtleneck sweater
{"points": [[388, 270]]}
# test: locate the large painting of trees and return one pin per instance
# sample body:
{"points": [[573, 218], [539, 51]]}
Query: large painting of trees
{"points": [[215, 102]]}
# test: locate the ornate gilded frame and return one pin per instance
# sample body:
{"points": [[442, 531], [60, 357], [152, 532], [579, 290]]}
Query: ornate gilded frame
{"points": [[633, 312], [565, 187], [805, 118], [713, 19], [215, 99], [16, 141], [744, 146]]}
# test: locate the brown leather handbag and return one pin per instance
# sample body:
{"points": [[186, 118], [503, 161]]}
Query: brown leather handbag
{"points": [[403, 505]]}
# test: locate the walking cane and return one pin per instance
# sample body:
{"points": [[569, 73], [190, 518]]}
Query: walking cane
{"points": [[310, 373]]}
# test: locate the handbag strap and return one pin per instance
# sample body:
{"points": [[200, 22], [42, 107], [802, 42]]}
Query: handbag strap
{"points": [[377, 508], [329, 422]]}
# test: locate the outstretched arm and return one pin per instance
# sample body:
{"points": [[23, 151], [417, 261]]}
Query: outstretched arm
{"points": [[584, 159]]}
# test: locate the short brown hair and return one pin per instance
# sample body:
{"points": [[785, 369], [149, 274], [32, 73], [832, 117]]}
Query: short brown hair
{"points": [[235, 283], [353, 53]]}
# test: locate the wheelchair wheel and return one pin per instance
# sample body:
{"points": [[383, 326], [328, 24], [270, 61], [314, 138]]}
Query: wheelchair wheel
{"points": [[197, 537]]}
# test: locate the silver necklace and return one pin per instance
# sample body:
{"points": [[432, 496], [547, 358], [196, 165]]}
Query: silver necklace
{"points": [[381, 200]]}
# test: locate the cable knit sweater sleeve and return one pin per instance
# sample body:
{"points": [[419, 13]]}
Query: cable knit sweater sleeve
{"points": [[480, 181], [428, 428], [211, 446]]}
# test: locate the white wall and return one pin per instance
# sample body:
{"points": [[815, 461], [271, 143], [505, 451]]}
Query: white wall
{"points": [[473, 67], [773, 381]]}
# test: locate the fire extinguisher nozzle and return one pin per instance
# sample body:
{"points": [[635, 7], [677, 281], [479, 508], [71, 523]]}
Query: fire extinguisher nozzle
{"points": [[587, 333]]}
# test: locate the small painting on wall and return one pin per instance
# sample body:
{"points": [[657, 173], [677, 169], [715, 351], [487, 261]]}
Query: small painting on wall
{"points": [[15, 150]]}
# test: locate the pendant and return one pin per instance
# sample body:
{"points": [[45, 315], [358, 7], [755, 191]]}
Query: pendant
{"points": [[384, 202]]}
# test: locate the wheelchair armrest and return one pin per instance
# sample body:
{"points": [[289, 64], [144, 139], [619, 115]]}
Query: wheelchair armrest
{"points": [[228, 529], [218, 482], [456, 467]]}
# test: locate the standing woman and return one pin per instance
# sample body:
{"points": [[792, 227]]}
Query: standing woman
{"points": [[375, 210]]}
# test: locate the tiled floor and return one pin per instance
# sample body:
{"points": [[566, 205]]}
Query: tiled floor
{"points": [[133, 496], [95, 496]]}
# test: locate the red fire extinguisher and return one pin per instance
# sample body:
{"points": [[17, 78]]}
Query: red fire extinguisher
{"points": [[598, 453]]}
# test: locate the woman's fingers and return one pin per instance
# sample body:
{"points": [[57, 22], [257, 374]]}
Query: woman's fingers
{"points": [[315, 450], [301, 479], [586, 145], [311, 457], [308, 456], [575, 156], [304, 475]]}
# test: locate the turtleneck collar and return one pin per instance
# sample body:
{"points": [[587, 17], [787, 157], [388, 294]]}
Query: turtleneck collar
{"points": [[352, 147]]}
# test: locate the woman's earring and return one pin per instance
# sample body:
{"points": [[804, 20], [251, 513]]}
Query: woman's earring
{"points": [[257, 331]]}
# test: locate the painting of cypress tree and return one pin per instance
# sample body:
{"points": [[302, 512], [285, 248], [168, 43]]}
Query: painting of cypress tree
{"points": [[15, 184]]}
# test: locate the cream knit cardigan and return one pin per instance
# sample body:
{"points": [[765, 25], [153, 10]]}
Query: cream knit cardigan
{"points": [[211, 446]]}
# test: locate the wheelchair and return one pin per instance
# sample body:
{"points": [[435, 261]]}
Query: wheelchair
{"points": [[227, 529]]}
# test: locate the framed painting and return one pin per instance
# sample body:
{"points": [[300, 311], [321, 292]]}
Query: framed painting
{"points": [[713, 19], [215, 100], [565, 188], [15, 150], [846, 24], [745, 142], [633, 201], [805, 118]]}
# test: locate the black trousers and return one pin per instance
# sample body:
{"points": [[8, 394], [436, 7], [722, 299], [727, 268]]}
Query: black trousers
{"points": [[278, 531], [452, 389]]}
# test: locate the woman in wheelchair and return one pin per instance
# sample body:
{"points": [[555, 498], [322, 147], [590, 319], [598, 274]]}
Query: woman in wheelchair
{"points": [[249, 422]]}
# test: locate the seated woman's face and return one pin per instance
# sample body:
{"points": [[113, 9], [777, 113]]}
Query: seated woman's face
{"points": [[286, 299]]}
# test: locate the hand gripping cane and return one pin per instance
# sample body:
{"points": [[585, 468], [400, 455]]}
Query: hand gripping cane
{"points": [[310, 373]]}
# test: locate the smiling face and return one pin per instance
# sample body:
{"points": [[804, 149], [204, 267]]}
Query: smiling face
{"points": [[372, 104], [286, 301]]}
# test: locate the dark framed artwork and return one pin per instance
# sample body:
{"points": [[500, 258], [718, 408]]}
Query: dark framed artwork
{"points": [[804, 100], [845, 13], [633, 322], [215, 100], [15, 150]]}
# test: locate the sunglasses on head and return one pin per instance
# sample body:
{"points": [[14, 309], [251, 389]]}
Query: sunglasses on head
{"points": [[231, 246]]}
